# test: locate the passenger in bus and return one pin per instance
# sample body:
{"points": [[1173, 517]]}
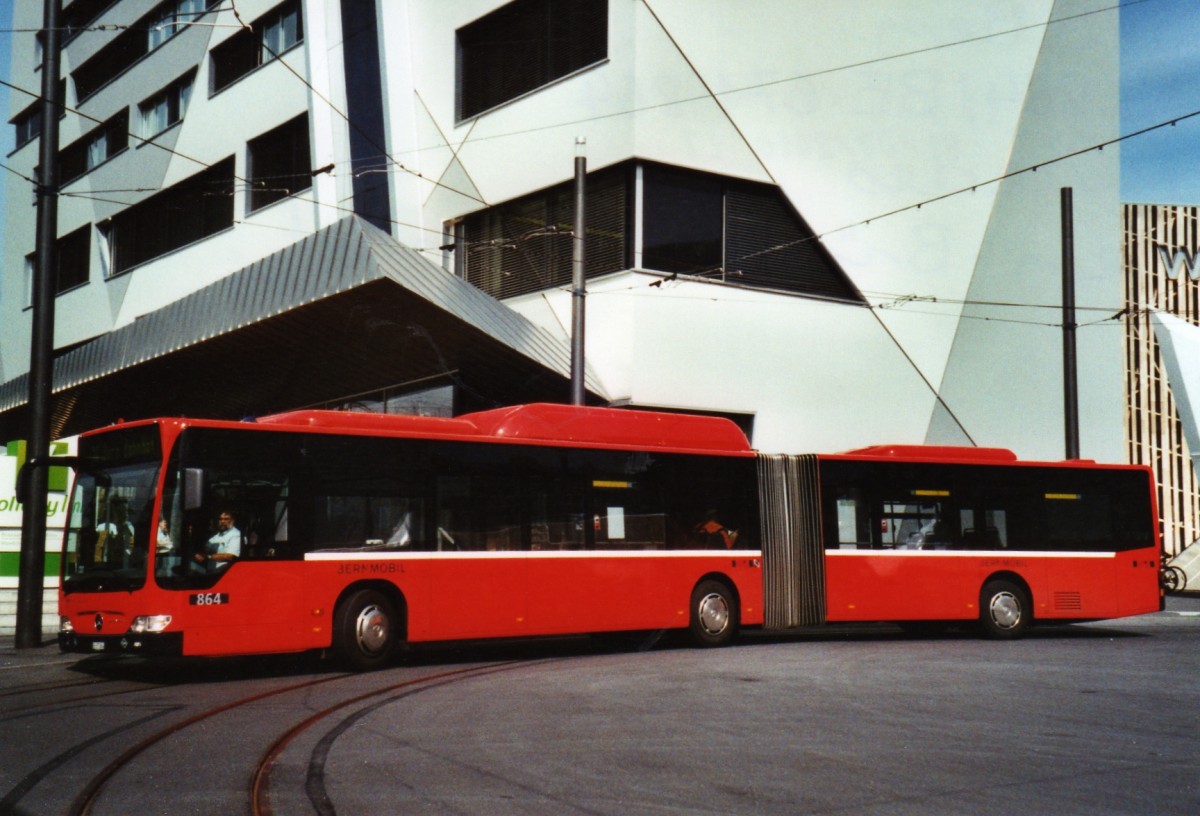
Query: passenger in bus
{"points": [[225, 546], [714, 533], [163, 542], [114, 538]]}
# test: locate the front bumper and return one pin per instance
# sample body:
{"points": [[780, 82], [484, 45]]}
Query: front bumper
{"points": [[164, 644]]}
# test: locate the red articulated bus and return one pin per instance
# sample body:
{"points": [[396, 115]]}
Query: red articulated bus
{"points": [[360, 532]]}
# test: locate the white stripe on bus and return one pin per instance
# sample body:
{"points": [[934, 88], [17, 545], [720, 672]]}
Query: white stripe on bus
{"points": [[392, 555]]}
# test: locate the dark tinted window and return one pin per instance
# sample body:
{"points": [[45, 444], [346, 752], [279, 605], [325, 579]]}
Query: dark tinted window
{"points": [[683, 226], [94, 148], [905, 506], [279, 163], [693, 223], [27, 125], [293, 493], [525, 245], [109, 62], [269, 36], [524, 45], [74, 252], [186, 212]]}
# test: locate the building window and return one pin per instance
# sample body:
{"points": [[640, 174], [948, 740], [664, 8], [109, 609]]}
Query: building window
{"points": [[147, 34], [735, 231], [94, 148], [109, 62], [281, 29], [172, 17], [30, 268], [525, 45], [27, 124], [525, 245], [279, 163], [275, 32], [78, 16], [683, 221], [165, 108], [195, 208], [74, 250], [692, 223]]}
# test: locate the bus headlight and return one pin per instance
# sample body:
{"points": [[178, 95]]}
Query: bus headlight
{"points": [[65, 626], [150, 623]]}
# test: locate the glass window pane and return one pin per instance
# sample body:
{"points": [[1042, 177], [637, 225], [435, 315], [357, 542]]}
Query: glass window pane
{"points": [[97, 151], [154, 116], [683, 218]]}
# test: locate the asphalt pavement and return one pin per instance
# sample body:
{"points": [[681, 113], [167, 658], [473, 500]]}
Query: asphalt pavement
{"points": [[1184, 603]]}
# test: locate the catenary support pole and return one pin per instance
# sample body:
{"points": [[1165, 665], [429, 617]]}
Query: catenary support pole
{"points": [[1070, 374], [578, 279], [32, 567]]}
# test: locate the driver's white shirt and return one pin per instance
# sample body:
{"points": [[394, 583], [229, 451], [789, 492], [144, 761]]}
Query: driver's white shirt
{"points": [[226, 541]]}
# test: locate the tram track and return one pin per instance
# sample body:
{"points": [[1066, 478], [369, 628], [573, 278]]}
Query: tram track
{"points": [[50, 706], [33, 688], [260, 800], [88, 796], [361, 703]]}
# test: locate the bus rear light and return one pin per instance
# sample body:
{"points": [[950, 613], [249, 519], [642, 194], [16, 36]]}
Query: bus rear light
{"points": [[150, 623]]}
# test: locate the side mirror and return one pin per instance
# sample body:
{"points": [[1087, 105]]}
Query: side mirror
{"points": [[193, 488], [25, 475]]}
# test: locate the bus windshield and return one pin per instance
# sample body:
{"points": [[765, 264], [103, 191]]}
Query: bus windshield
{"points": [[109, 527]]}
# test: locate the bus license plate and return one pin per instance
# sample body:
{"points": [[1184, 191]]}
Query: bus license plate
{"points": [[208, 599]]}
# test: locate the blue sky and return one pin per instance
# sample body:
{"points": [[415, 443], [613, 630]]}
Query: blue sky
{"points": [[1160, 80]]}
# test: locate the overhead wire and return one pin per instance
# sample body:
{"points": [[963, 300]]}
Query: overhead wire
{"points": [[344, 116], [94, 195], [394, 165]]}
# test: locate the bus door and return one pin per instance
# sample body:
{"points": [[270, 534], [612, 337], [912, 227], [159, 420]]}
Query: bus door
{"points": [[477, 569], [227, 547]]}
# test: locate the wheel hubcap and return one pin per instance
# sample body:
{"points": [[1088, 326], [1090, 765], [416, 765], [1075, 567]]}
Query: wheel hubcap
{"points": [[1005, 610], [714, 613], [371, 629]]}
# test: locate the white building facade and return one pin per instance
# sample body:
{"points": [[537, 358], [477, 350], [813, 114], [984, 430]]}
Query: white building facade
{"points": [[1162, 364], [823, 220]]}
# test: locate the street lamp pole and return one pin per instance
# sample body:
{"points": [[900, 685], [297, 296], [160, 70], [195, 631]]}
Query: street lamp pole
{"points": [[578, 278], [32, 566], [1070, 367]]}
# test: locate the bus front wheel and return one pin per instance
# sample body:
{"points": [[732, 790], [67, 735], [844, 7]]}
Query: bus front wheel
{"points": [[365, 630], [714, 616], [1004, 610]]}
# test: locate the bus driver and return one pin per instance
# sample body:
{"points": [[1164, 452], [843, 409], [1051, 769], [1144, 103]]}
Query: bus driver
{"points": [[224, 546]]}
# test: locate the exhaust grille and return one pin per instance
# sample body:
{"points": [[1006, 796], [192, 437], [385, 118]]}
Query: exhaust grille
{"points": [[1068, 601]]}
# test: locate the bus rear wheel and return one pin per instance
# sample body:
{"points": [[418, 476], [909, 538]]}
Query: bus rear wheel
{"points": [[365, 630], [1004, 610], [714, 615]]}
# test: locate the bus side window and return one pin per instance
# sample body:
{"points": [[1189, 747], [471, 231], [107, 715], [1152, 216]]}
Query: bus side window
{"points": [[628, 515], [479, 512], [367, 522], [984, 529], [853, 530], [913, 523], [556, 519]]}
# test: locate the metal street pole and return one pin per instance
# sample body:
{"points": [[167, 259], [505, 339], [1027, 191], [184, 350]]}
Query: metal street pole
{"points": [[1070, 374], [32, 566], [578, 279]]}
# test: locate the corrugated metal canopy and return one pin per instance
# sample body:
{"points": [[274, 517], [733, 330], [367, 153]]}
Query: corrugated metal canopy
{"points": [[347, 310]]}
